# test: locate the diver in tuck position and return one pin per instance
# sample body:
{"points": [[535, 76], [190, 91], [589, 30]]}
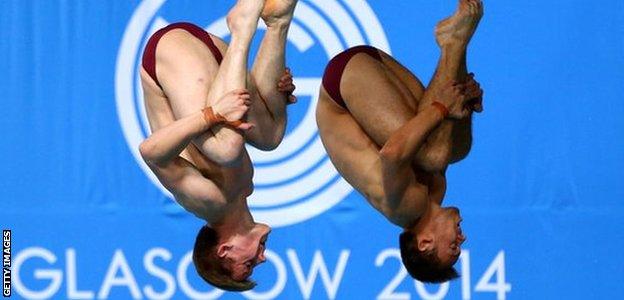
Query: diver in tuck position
{"points": [[199, 103], [392, 139]]}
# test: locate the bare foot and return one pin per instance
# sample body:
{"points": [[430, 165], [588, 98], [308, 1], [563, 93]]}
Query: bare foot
{"points": [[459, 28], [278, 12], [243, 17]]}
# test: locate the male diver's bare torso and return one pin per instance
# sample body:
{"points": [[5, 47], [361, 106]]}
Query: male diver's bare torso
{"points": [[357, 159], [235, 183]]}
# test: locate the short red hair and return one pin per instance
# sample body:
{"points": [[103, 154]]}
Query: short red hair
{"points": [[209, 265]]}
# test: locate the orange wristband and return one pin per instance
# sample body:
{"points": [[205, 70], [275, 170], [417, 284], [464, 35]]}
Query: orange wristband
{"points": [[234, 124], [214, 119], [441, 107]]}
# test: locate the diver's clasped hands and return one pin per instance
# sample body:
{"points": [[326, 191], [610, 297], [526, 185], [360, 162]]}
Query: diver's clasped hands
{"points": [[461, 99], [232, 107], [475, 94], [287, 86]]}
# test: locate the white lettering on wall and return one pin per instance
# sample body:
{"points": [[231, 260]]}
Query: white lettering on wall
{"points": [[55, 276], [162, 274], [119, 263], [318, 266], [72, 279]]}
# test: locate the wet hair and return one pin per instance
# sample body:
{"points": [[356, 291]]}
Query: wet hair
{"points": [[424, 266], [209, 265]]}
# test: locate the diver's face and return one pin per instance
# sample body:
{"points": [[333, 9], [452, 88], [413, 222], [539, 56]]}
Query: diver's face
{"points": [[247, 252], [449, 235]]}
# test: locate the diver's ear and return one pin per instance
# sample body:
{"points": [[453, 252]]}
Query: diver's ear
{"points": [[223, 250], [425, 242]]}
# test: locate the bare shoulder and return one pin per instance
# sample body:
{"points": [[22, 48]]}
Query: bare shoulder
{"points": [[403, 212], [192, 190], [437, 186]]}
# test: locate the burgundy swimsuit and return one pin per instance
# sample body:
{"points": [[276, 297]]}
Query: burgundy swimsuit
{"points": [[336, 66]]}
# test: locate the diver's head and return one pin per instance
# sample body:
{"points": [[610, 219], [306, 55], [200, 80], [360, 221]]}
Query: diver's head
{"points": [[430, 248], [228, 261]]}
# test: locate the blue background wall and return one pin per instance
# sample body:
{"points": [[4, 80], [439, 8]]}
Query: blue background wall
{"points": [[541, 192]]}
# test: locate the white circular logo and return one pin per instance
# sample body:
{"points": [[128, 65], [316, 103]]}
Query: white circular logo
{"points": [[297, 181]]}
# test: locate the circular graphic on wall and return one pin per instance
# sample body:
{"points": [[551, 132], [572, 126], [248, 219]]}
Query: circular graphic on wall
{"points": [[296, 181]]}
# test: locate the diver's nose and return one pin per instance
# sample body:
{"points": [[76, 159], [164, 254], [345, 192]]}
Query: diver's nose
{"points": [[462, 238]]}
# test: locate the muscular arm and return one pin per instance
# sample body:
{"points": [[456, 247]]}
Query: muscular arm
{"points": [[397, 154], [168, 142], [269, 114], [161, 153]]}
